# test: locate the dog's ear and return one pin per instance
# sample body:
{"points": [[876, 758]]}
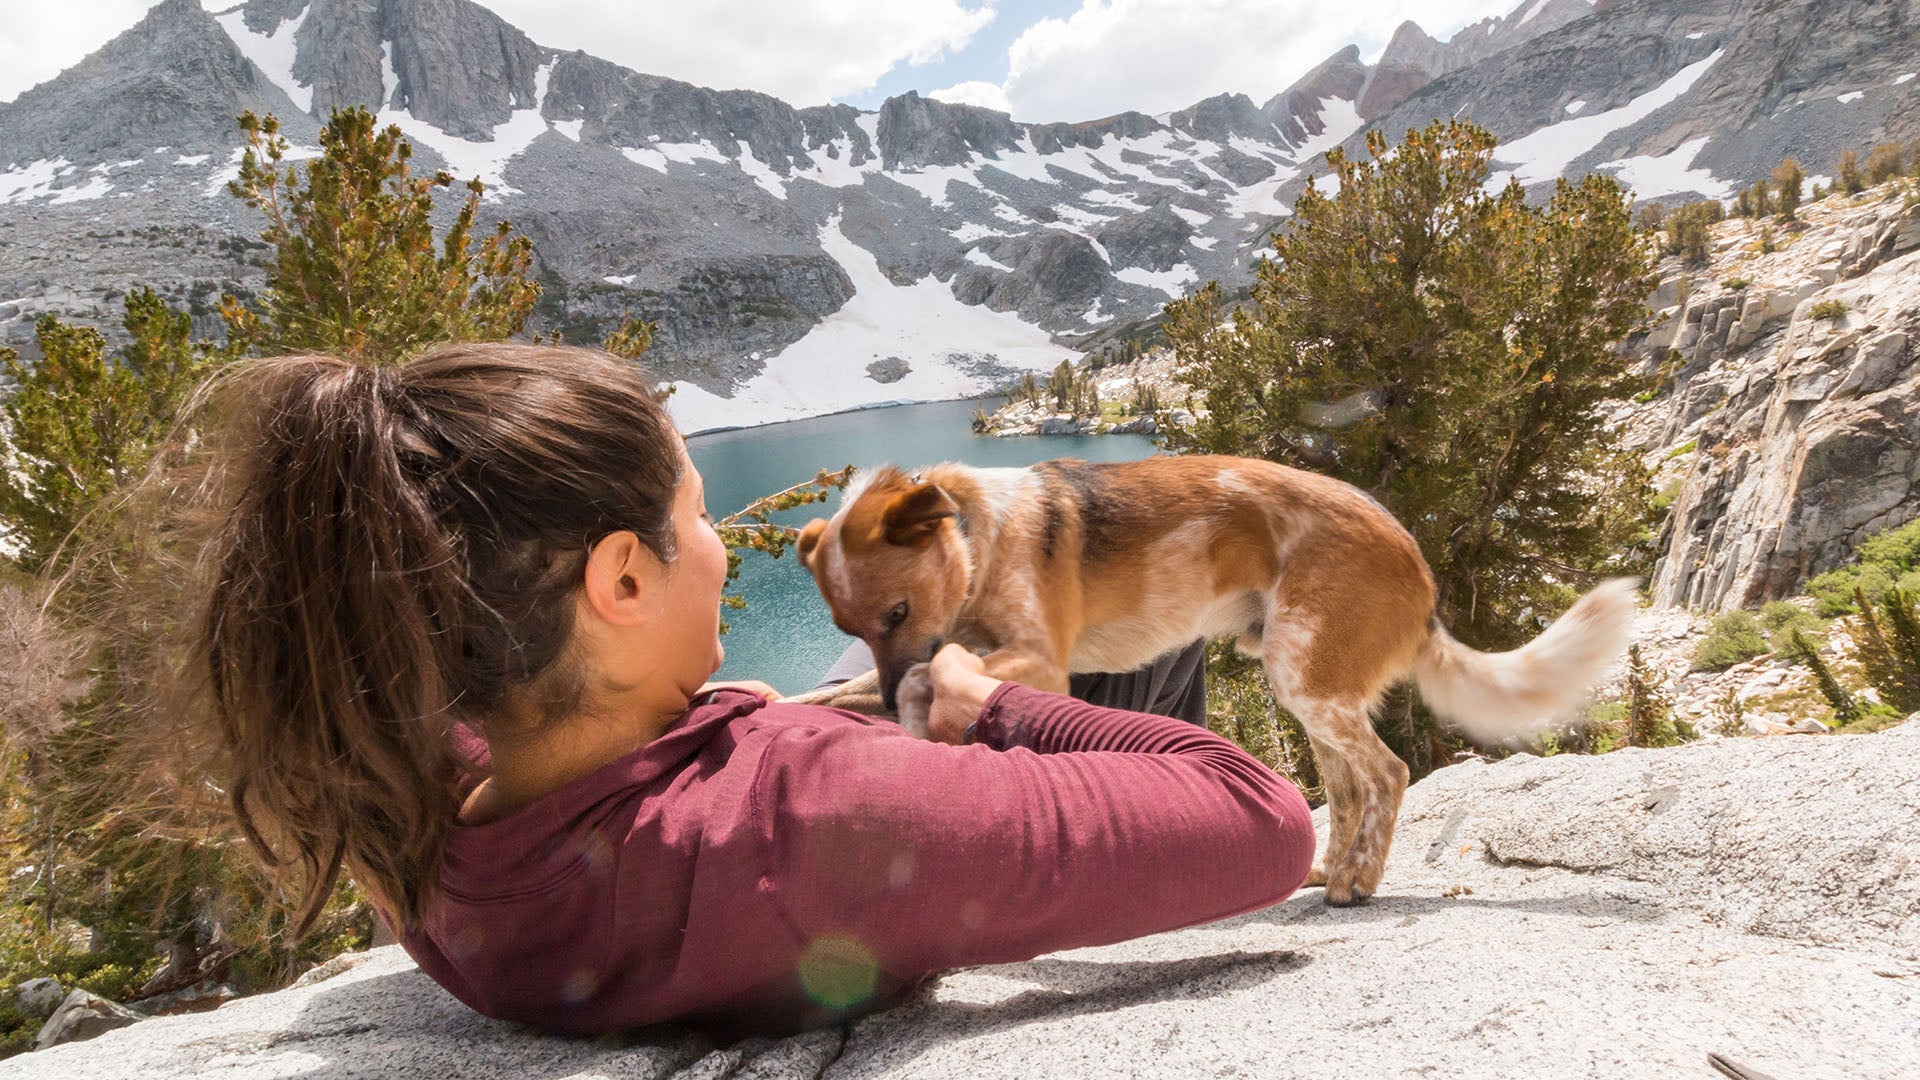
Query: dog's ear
{"points": [[808, 540], [913, 516]]}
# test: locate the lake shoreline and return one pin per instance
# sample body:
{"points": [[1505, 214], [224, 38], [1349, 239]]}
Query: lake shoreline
{"points": [[869, 407]]}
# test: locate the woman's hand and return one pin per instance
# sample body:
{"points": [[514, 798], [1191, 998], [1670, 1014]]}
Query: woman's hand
{"points": [[751, 686], [961, 687]]}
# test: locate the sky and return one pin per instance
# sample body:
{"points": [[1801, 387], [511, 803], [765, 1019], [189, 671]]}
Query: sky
{"points": [[1041, 60]]}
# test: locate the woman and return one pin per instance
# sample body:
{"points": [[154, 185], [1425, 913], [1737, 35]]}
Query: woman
{"points": [[457, 639]]}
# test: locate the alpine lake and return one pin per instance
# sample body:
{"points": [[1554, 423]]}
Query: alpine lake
{"points": [[784, 636]]}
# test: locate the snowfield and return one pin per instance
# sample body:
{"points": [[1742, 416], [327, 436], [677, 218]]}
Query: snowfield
{"points": [[826, 371]]}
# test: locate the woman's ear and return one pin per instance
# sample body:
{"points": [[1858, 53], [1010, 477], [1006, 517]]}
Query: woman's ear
{"points": [[622, 579]]}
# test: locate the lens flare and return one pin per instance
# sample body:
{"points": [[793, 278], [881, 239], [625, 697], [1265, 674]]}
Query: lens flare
{"points": [[579, 986], [838, 972]]}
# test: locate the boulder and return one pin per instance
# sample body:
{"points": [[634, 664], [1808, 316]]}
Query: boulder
{"points": [[83, 1016], [1624, 916], [38, 998]]}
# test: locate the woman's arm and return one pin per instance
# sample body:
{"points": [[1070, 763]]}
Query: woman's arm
{"points": [[1065, 824]]}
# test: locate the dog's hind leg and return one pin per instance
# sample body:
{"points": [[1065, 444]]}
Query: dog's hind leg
{"points": [[1364, 782]]}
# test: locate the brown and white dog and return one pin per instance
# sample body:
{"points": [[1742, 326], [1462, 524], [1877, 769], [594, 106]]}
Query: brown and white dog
{"points": [[1069, 567]]}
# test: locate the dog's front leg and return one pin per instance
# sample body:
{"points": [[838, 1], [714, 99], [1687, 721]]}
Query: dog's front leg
{"points": [[1027, 668], [915, 694]]}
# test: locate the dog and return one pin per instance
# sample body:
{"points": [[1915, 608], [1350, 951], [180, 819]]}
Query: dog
{"points": [[1068, 567]]}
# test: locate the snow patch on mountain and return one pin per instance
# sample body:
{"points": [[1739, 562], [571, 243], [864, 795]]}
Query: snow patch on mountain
{"points": [[467, 159], [762, 173], [271, 53], [932, 181], [1671, 173], [826, 371], [657, 155], [1172, 282], [1339, 119], [981, 258], [1546, 153], [32, 181]]}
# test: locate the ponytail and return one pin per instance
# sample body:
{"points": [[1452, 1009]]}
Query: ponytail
{"points": [[398, 550]]}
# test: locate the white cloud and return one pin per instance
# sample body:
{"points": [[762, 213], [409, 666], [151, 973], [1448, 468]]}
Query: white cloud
{"points": [[985, 94], [805, 52], [1157, 55], [42, 40]]}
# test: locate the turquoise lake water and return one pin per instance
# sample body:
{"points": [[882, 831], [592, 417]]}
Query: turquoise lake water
{"points": [[785, 637]]}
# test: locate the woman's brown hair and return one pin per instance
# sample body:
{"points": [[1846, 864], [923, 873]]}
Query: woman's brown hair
{"points": [[394, 551]]}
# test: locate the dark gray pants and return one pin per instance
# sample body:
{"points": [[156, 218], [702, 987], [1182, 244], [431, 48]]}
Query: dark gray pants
{"points": [[1174, 685]]}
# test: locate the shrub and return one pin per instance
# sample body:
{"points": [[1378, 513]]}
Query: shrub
{"points": [[1683, 449], [1830, 309], [1733, 637], [1887, 161], [1851, 180], [1886, 559], [1736, 283], [1649, 217], [1782, 619]]}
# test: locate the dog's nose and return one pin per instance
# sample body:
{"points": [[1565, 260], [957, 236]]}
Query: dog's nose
{"points": [[934, 648]]}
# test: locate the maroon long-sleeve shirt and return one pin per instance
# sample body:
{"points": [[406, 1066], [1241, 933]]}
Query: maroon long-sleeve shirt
{"points": [[762, 868]]}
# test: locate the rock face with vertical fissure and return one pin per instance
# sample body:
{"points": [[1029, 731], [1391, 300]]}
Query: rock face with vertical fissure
{"points": [[1791, 426]]}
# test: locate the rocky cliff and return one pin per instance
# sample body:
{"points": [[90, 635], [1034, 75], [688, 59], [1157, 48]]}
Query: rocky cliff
{"points": [[747, 226], [1751, 902], [1791, 415]]}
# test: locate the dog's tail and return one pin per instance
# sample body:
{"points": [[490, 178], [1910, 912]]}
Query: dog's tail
{"points": [[1494, 697]]}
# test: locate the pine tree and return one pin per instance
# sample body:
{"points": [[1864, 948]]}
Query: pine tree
{"points": [[1447, 350], [1060, 386], [1649, 709], [1789, 179], [1895, 671], [1851, 181], [1846, 708], [83, 422], [356, 271]]}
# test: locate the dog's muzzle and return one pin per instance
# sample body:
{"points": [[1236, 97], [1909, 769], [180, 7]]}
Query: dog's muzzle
{"points": [[890, 677]]}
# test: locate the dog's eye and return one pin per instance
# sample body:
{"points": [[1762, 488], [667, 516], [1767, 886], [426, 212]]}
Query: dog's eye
{"points": [[897, 614]]}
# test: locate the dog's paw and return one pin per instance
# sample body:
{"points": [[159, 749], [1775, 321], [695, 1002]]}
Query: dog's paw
{"points": [[1344, 888], [915, 700], [1315, 876]]}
